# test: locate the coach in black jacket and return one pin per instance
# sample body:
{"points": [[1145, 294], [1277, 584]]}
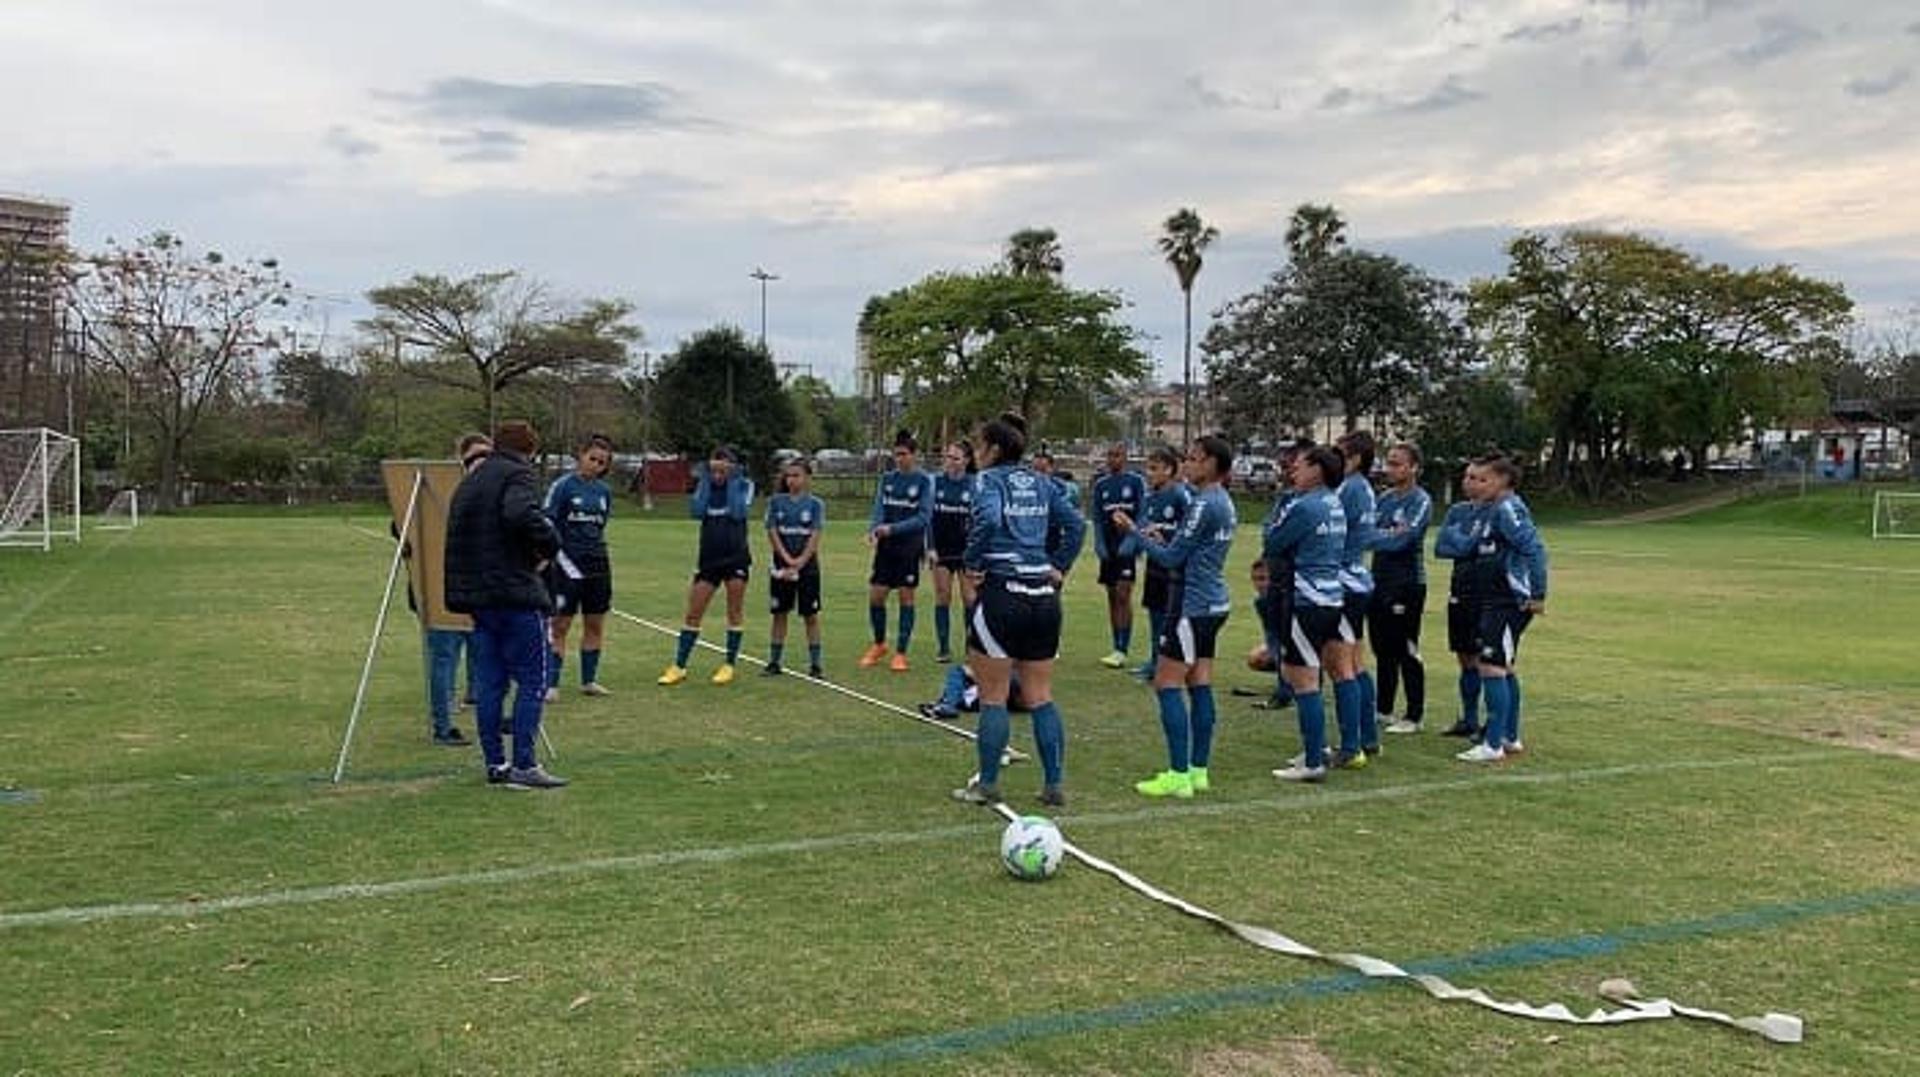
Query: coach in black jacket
{"points": [[497, 540]]}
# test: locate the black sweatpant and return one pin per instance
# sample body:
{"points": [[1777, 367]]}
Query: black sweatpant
{"points": [[1393, 628]]}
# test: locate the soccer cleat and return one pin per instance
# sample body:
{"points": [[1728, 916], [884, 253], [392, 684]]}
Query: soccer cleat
{"points": [[872, 656], [1198, 775], [452, 737], [1480, 753], [673, 675], [937, 711], [534, 777], [1373, 751], [945, 658], [899, 663], [1298, 773], [975, 793], [1299, 759], [497, 775], [1052, 796], [816, 672], [552, 696], [594, 688], [1461, 728], [1116, 660], [1398, 726], [1344, 760], [723, 675], [771, 669], [1144, 671], [1274, 702], [1514, 747], [1167, 783]]}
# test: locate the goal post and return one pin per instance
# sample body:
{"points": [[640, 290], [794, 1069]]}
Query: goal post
{"points": [[121, 514], [39, 487], [1896, 514]]}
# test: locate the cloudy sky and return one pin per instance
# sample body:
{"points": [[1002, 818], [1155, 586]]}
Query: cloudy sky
{"points": [[659, 151]]}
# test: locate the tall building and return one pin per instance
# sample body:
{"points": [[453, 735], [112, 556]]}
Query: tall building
{"points": [[40, 381]]}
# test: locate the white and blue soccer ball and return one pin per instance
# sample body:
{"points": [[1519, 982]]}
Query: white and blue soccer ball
{"points": [[1031, 848]]}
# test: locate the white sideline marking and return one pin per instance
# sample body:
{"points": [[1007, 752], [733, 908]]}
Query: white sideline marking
{"points": [[88, 914], [371, 533]]}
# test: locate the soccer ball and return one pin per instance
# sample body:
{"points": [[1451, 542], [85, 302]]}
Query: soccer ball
{"points": [[1031, 848]]}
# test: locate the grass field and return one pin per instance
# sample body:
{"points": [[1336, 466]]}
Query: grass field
{"points": [[1719, 804]]}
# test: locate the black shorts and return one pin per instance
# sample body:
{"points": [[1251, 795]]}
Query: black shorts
{"points": [[1117, 570], [1499, 636], [1158, 590], [1309, 629], [954, 561], [1015, 620], [1187, 640], [588, 594], [1463, 625], [801, 594], [719, 572], [1354, 610], [896, 563]]}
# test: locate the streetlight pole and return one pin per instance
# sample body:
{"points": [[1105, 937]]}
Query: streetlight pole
{"points": [[763, 277]]}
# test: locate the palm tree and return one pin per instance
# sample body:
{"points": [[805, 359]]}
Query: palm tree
{"points": [[1183, 236], [1313, 232], [1034, 252]]}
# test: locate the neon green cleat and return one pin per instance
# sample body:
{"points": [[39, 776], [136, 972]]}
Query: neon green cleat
{"points": [[1198, 776], [1167, 783], [1116, 660]]}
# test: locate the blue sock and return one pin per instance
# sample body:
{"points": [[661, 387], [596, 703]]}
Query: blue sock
{"points": [[1202, 697], [877, 617], [1178, 728], [943, 627], [1346, 713], [589, 666], [774, 651], [733, 644], [554, 662], [1470, 696], [1050, 737], [688, 637], [954, 689], [907, 617], [813, 655], [1513, 708], [1369, 721], [1499, 703], [1123, 639], [994, 730], [1312, 715]]}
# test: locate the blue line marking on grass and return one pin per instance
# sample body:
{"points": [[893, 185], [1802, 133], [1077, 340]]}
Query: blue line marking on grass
{"points": [[1517, 955], [19, 796]]}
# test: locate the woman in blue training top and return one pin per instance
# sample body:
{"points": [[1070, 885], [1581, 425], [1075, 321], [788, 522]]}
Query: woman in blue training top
{"points": [[1199, 551], [1166, 505], [1456, 543], [1311, 534], [1014, 630], [1399, 600], [1510, 582], [952, 513], [795, 520], [721, 503]]}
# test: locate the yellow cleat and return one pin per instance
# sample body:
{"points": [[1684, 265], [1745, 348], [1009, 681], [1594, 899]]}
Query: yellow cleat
{"points": [[674, 675], [723, 675]]}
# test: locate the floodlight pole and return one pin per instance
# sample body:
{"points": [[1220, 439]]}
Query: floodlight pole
{"points": [[763, 277], [379, 623]]}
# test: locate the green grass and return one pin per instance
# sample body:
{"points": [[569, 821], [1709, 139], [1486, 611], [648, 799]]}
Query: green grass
{"points": [[768, 873]]}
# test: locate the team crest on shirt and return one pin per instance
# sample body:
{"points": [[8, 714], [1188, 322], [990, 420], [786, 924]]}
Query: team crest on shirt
{"points": [[1021, 480], [806, 517]]}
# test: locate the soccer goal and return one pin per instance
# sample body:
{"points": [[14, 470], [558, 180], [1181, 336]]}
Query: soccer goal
{"points": [[121, 514], [1896, 514], [39, 487]]}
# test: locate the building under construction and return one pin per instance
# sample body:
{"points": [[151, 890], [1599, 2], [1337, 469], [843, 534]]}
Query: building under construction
{"points": [[40, 369]]}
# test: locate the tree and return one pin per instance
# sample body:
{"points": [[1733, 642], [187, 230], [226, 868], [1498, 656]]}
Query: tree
{"points": [[1034, 252], [1183, 239], [1363, 331], [180, 331], [822, 420], [1470, 414], [717, 389], [491, 329], [331, 397], [968, 345], [1313, 232]]}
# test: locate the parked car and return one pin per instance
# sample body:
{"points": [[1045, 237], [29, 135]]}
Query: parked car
{"points": [[1256, 474], [835, 462]]}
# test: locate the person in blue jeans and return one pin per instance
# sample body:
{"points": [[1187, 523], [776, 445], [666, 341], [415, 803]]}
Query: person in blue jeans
{"points": [[498, 540], [443, 645]]}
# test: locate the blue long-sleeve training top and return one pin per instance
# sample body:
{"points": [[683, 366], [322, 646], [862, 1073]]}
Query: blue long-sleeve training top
{"points": [[1400, 537], [1510, 561], [1456, 544], [723, 513], [794, 520], [1124, 492], [952, 513], [1357, 504], [1162, 513], [1199, 550], [579, 508], [904, 502], [1312, 534], [1014, 508]]}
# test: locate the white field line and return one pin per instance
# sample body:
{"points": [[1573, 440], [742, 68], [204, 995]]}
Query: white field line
{"points": [[371, 533], [641, 862]]}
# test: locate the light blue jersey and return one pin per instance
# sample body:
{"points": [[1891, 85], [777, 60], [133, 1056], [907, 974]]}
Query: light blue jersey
{"points": [[1199, 550], [1510, 561], [1400, 536], [1311, 534], [1023, 525], [795, 520], [1357, 505]]}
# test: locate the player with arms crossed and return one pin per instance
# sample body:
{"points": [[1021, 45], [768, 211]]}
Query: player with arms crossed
{"points": [[1510, 583], [1168, 499], [952, 511], [581, 575], [1399, 599], [1117, 491], [1311, 535]]}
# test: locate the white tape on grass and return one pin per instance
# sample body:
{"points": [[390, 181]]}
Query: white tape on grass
{"points": [[1012, 755], [1320, 800], [1777, 1027]]}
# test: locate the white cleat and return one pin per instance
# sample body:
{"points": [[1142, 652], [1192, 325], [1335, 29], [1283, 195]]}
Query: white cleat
{"points": [[594, 688], [1480, 753]]}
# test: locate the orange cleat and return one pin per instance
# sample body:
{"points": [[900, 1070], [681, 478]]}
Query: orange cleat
{"points": [[872, 656], [899, 664]]}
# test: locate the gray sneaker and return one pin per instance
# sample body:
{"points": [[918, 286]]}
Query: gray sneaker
{"points": [[534, 777], [975, 793]]}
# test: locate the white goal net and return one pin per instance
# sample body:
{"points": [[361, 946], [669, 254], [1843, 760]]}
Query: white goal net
{"points": [[39, 487], [1896, 514], [122, 513]]}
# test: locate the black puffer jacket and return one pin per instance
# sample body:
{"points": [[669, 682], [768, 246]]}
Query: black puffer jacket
{"points": [[496, 536]]}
